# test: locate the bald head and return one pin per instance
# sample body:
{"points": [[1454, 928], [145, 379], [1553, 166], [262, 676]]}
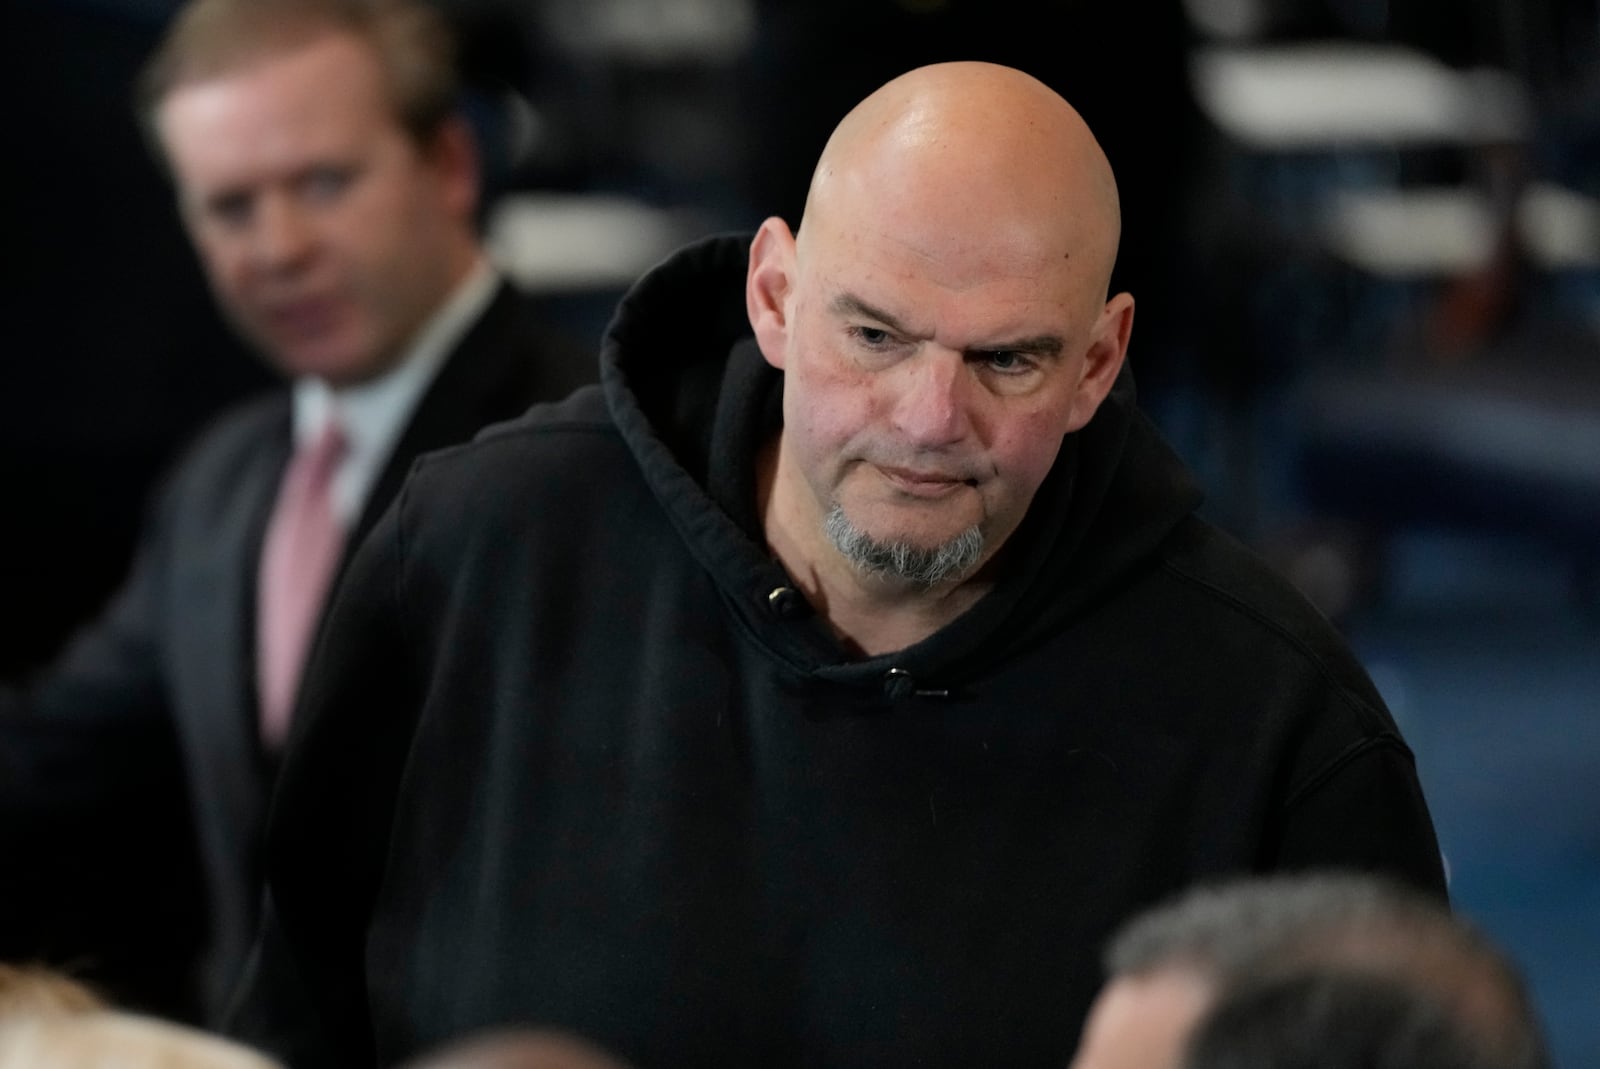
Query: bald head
{"points": [[518, 1048], [973, 154]]}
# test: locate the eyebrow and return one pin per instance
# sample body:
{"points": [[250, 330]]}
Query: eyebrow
{"points": [[1037, 345]]}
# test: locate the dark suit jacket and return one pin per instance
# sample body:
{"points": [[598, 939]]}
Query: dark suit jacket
{"points": [[164, 681]]}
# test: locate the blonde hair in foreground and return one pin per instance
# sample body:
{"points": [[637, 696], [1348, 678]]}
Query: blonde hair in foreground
{"points": [[104, 1039], [26, 991]]}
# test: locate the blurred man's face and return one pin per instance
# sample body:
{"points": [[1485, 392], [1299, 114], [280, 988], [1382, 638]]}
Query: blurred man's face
{"points": [[327, 234], [1143, 1022]]}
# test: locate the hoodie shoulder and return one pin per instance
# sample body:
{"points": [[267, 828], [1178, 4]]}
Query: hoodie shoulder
{"points": [[1262, 603], [531, 459], [583, 409]]}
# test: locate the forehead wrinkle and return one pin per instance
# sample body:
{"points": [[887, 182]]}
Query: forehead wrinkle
{"points": [[1045, 343], [861, 228]]}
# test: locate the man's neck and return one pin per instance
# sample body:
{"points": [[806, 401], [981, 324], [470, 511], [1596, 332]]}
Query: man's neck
{"points": [[870, 615]]}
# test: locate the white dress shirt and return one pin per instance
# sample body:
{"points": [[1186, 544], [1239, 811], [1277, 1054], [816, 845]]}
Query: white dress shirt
{"points": [[373, 414]]}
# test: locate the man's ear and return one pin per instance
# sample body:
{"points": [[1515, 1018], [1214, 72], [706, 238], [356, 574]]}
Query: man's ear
{"points": [[768, 286], [1108, 347], [453, 153]]}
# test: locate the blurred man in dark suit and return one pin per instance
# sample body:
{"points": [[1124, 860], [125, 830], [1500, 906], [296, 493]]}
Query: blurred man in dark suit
{"points": [[330, 185]]}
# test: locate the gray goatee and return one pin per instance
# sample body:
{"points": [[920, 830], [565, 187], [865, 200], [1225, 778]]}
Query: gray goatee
{"points": [[902, 560]]}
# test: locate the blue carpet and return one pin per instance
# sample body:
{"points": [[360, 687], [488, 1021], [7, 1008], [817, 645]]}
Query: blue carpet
{"points": [[1493, 670]]}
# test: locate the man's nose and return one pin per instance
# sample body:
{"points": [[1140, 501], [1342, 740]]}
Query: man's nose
{"points": [[934, 407], [283, 236]]}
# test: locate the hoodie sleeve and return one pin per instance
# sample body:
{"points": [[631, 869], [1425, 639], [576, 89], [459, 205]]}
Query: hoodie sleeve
{"points": [[1362, 810]]}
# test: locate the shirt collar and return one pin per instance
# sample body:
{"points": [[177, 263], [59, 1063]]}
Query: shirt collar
{"points": [[373, 413]]}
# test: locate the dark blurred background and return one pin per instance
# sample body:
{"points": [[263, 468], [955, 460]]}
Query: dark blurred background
{"points": [[1364, 236]]}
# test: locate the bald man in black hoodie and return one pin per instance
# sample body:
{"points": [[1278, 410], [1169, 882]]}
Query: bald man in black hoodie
{"points": [[826, 686]]}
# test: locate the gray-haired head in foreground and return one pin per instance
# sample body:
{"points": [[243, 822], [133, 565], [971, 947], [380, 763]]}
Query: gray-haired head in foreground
{"points": [[1250, 931], [1332, 1020], [901, 560]]}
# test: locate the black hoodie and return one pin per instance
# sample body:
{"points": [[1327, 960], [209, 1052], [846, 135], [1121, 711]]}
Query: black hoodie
{"points": [[575, 752]]}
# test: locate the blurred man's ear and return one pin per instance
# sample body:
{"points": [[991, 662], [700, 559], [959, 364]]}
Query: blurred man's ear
{"points": [[768, 287], [453, 154], [1108, 347]]}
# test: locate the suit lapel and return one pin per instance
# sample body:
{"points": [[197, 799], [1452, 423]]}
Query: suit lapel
{"points": [[468, 392], [213, 621]]}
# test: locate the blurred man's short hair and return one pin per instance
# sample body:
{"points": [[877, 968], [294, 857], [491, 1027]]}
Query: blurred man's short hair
{"points": [[413, 40]]}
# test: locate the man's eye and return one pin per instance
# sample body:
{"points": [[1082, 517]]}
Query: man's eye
{"points": [[230, 210], [872, 336], [326, 183], [1007, 361]]}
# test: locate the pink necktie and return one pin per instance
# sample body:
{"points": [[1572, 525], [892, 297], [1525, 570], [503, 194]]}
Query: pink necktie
{"points": [[302, 547]]}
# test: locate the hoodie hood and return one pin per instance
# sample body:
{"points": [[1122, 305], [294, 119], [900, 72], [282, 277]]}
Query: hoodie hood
{"points": [[694, 400]]}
